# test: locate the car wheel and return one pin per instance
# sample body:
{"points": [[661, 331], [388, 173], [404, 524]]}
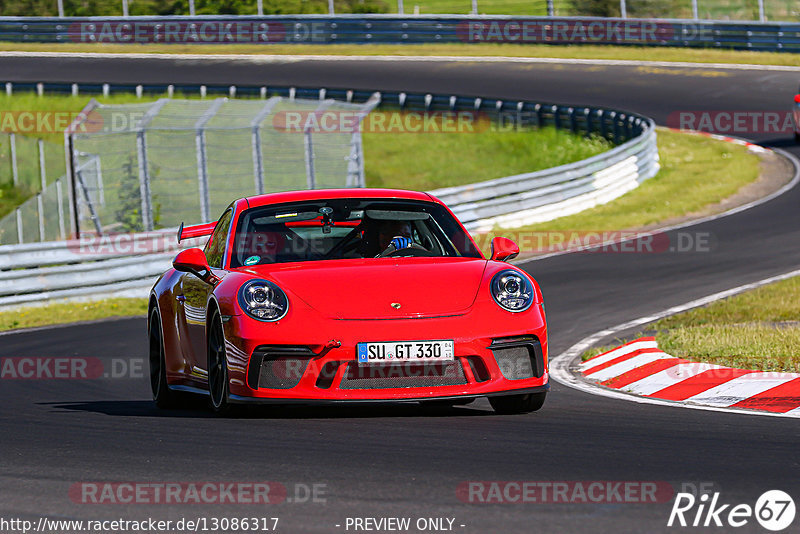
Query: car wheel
{"points": [[515, 404], [163, 397], [217, 367]]}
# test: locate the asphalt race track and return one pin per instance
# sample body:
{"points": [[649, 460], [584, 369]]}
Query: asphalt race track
{"points": [[404, 460]]}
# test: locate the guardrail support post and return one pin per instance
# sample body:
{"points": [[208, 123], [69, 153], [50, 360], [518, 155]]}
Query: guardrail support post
{"points": [[474, 7], [761, 14], [330, 8], [551, 12], [260, 7], [191, 8], [61, 8], [695, 12], [125, 8], [623, 9]]}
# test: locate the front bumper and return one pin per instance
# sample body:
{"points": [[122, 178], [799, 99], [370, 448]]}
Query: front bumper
{"points": [[496, 353]]}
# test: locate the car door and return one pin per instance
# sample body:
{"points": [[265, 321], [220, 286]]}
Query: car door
{"points": [[194, 297]]}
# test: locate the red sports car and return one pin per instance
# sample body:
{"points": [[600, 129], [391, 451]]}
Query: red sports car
{"points": [[349, 295]]}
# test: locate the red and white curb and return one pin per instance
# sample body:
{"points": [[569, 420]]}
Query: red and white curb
{"points": [[641, 368], [752, 147]]}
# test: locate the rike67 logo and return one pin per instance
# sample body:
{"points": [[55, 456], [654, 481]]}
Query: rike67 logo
{"points": [[774, 510]]}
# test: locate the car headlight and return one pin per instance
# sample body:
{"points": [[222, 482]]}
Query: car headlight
{"points": [[263, 300], [512, 291]]}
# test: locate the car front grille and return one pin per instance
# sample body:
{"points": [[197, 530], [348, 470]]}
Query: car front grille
{"points": [[402, 376], [519, 358], [278, 367]]}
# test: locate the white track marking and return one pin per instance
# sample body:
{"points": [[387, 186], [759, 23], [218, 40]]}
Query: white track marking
{"points": [[560, 365], [740, 388], [616, 353], [668, 377], [288, 58], [630, 364]]}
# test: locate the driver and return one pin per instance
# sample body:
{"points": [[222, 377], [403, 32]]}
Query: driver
{"points": [[395, 233]]}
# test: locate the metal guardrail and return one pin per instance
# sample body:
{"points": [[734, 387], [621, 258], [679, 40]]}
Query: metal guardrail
{"points": [[33, 272], [39, 271], [534, 197], [399, 29]]}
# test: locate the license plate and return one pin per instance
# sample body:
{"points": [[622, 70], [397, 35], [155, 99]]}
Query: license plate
{"points": [[405, 351]]}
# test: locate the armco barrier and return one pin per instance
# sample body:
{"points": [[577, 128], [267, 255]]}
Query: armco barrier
{"points": [[391, 29], [40, 271], [32, 272], [541, 196]]}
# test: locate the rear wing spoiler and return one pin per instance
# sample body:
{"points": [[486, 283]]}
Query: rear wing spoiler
{"points": [[199, 230]]}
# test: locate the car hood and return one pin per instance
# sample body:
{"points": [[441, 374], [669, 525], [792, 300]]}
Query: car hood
{"points": [[373, 288]]}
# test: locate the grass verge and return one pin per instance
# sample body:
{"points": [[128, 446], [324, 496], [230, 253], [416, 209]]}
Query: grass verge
{"points": [[632, 53], [429, 161], [71, 312], [681, 188], [420, 161], [757, 330]]}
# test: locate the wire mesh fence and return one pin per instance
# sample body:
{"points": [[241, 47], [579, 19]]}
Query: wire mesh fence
{"points": [[185, 160], [139, 167], [29, 163]]}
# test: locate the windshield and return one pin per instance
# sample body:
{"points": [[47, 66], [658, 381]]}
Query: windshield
{"points": [[345, 229]]}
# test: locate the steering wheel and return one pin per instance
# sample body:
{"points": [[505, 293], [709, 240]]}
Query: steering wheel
{"points": [[414, 251]]}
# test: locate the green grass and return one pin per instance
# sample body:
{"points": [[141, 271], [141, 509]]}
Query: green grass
{"points": [[70, 312], [419, 161], [696, 172], [759, 329], [635, 53], [432, 160]]}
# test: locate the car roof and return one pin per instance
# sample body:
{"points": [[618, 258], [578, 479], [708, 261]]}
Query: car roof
{"points": [[319, 194]]}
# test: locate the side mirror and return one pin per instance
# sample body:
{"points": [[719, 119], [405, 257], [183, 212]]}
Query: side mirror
{"points": [[503, 249], [193, 260]]}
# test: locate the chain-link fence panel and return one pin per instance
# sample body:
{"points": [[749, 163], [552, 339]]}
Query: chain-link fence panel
{"points": [[145, 166]]}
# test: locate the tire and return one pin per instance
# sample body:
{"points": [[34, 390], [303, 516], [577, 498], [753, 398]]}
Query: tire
{"points": [[518, 404], [217, 367], [797, 137], [163, 397]]}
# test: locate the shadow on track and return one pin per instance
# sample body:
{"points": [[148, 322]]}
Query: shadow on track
{"points": [[196, 409]]}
